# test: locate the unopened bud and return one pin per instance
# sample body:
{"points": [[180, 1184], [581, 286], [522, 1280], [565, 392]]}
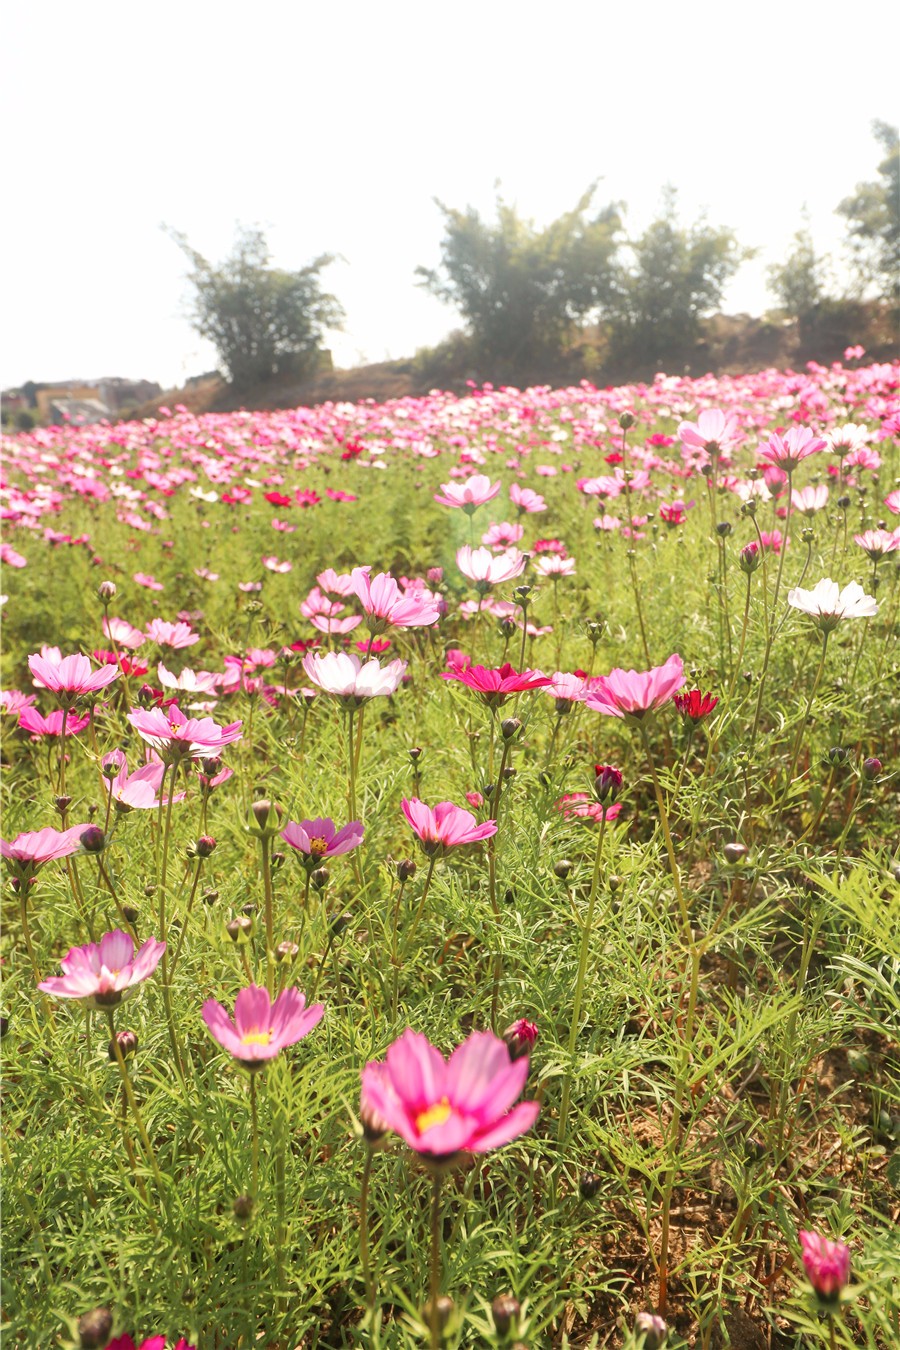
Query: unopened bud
{"points": [[562, 867], [510, 726], [406, 870], [509, 772], [94, 1328], [128, 1044], [444, 1308], [843, 502], [239, 930], [607, 783], [735, 853], [506, 627], [130, 913], [250, 909], [626, 420], [723, 529], [286, 952], [242, 1207], [614, 882], [374, 1126], [107, 591], [278, 860], [210, 897], [415, 753], [338, 922], [652, 1328], [62, 804], [872, 767], [750, 557], [265, 819], [204, 846], [837, 756], [92, 840], [589, 1185], [505, 1311], [319, 878], [807, 535], [520, 1037]]}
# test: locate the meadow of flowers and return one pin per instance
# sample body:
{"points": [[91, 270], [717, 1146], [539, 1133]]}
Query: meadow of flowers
{"points": [[452, 871]]}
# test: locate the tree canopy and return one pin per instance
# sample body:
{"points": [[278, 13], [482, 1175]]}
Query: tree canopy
{"points": [[262, 320], [873, 215]]}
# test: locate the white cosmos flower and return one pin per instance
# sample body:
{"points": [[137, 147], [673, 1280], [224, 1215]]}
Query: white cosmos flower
{"points": [[350, 679], [827, 605]]}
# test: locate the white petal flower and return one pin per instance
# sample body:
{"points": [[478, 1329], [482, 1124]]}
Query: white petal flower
{"points": [[827, 605]]}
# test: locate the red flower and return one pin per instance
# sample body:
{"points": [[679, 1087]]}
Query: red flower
{"points": [[278, 498], [695, 706]]}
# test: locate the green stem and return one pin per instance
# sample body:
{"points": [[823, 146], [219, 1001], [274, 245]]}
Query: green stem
{"points": [[254, 1133], [667, 834], [770, 636], [579, 982], [435, 1282], [364, 1229], [133, 1106], [415, 923], [187, 914], [269, 913], [802, 728]]}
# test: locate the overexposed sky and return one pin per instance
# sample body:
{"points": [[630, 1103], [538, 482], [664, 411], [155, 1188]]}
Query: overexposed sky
{"points": [[333, 126]]}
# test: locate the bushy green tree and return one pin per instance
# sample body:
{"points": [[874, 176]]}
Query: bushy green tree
{"points": [[873, 216], [262, 320], [800, 283], [521, 290]]}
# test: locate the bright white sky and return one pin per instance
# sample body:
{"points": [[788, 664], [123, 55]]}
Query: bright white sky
{"points": [[333, 126]]}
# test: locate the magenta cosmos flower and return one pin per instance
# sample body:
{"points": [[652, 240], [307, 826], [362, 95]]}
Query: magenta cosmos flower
{"points": [[349, 679], [151, 1343], [261, 1029], [28, 852], [827, 1264], [496, 685], [37, 725], [444, 827], [318, 839], [633, 693], [386, 605], [71, 676], [175, 737], [786, 452], [487, 569], [443, 1107], [471, 494], [106, 972]]}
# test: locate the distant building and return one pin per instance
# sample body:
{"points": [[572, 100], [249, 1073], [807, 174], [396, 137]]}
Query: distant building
{"points": [[76, 412]]}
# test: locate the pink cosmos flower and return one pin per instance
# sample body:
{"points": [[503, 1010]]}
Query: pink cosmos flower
{"points": [[138, 790], [827, 1263], [503, 536], [631, 694], [672, 513], [444, 1107], [892, 502], [318, 838], [151, 1343], [272, 564], [175, 737], [348, 678], [487, 569], [337, 583], [787, 451], [844, 439], [527, 500], [810, 499], [28, 852], [470, 494], [827, 606], [496, 685], [878, 543], [567, 690], [174, 635], [123, 634], [105, 972], [12, 701], [36, 724], [70, 677], [150, 583], [606, 522], [714, 433], [582, 806], [189, 681], [552, 565], [386, 605], [261, 1029], [444, 827], [10, 557]]}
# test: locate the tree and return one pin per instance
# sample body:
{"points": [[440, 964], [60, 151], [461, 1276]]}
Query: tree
{"points": [[676, 277], [520, 289], [873, 215], [800, 283], [263, 321]]}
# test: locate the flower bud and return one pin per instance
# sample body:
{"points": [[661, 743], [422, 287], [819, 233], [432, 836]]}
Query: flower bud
{"points": [[128, 1044], [614, 882], [239, 930], [415, 753], [837, 756], [92, 840], [807, 535], [509, 772], [94, 1328], [406, 870], [735, 853], [506, 627], [444, 1311], [652, 1328], [626, 420], [286, 952], [872, 767], [319, 878], [265, 819], [338, 923], [505, 1311], [843, 502], [250, 909], [209, 897], [562, 867], [749, 507], [723, 529], [374, 1126], [589, 1185], [827, 1264], [107, 592], [4, 1025], [607, 783], [510, 726], [204, 846], [520, 1037], [62, 804], [131, 914], [242, 1207]]}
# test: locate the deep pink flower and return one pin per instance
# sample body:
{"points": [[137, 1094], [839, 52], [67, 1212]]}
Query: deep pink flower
{"points": [[445, 826], [261, 1029], [152, 1343], [318, 838], [827, 1263], [496, 685], [36, 724], [672, 513], [633, 693], [28, 852], [70, 677], [582, 806], [175, 737], [470, 494], [386, 605], [444, 1107], [174, 635], [787, 451], [694, 705], [105, 972]]}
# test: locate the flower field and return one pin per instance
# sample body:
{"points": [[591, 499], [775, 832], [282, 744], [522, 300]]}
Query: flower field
{"points": [[452, 871]]}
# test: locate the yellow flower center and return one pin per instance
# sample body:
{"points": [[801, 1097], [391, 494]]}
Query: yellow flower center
{"points": [[435, 1115], [318, 846], [256, 1038]]}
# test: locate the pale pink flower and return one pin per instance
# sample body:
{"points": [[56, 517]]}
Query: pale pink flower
{"points": [[878, 543], [348, 678], [10, 557], [189, 681], [606, 522], [487, 569], [122, 633], [527, 500], [892, 502], [502, 536], [326, 624], [173, 635], [787, 451], [714, 433], [470, 494], [273, 565], [175, 737], [29, 851], [261, 1029], [851, 436], [337, 583], [70, 677], [826, 605], [809, 500], [136, 791], [12, 701], [583, 806], [441, 1108], [567, 689], [106, 972], [445, 826], [552, 565], [386, 605], [863, 458], [150, 583], [631, 694]]}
